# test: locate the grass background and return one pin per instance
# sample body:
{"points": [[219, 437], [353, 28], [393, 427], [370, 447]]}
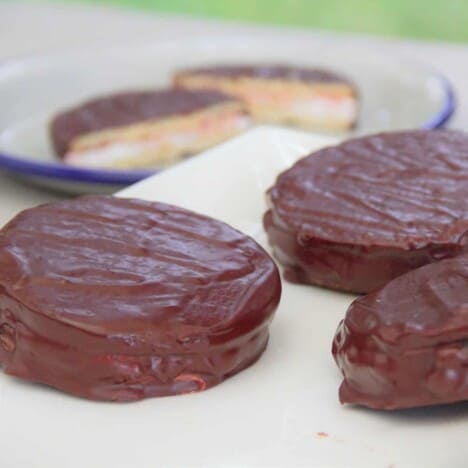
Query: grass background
{"points": [[428, 19]]}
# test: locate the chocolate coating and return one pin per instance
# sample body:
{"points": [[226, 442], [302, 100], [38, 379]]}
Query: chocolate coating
{"points": [[355, 216], [120, 299], [406, 344], [272, 71], [122, 109]]}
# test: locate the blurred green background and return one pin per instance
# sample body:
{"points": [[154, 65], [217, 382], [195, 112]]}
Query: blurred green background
{"points": [[428, 19]]}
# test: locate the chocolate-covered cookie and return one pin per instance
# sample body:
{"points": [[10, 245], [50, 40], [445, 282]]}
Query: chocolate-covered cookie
{"points": [[122, 299], [354, 216], [307, 97], [406, 344], [145, 128]]}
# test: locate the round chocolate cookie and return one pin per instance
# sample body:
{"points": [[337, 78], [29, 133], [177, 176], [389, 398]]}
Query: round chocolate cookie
{"points": [[406, 344], [121, 299], [354, 216]]}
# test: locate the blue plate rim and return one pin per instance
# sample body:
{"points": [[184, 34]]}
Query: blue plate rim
{"points": [[25, 166], [447, 110], [21, 165]]}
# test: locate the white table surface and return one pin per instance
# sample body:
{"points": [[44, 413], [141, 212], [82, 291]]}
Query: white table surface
{"points": [[34, 27]]}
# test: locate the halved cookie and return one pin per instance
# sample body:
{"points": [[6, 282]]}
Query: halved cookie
{"points": [[307, 97], [145, 129]]}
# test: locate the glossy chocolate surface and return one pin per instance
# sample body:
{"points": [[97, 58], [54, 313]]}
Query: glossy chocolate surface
{"points": [[120, 299], [273, 71], [356, 215], [122, 109], [406, 344]]}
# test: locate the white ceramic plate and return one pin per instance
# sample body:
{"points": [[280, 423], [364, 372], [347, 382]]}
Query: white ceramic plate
{"points": [[395, 93], [281, 412]]}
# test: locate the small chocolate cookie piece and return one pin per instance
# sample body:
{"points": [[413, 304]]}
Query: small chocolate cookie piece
{"points": [[307, 97], [145, 128], [354, 216], [122, 299], [406, 344]]}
